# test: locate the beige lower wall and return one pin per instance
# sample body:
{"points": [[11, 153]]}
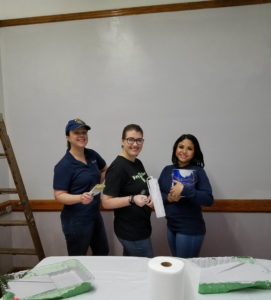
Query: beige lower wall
{"points": [[240, 234], [6, 261]]}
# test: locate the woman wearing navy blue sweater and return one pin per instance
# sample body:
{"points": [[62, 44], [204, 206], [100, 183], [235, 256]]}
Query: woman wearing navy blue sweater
{"points": [[183, 200]]}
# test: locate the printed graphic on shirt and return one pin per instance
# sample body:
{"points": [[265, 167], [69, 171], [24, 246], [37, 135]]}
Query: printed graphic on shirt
{"points": [[140, 175]]}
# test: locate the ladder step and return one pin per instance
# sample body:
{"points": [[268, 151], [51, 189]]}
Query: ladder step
{"points": [[13, 223], [3, 155], [8, 191], [18, 251]]}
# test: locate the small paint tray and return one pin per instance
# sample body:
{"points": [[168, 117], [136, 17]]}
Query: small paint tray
{"points": [[52, 280]]}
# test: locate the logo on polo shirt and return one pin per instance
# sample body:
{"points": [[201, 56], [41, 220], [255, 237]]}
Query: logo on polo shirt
{"points": [[94, 161]]}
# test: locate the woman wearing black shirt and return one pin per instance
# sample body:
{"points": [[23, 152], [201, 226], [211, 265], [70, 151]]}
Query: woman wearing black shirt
{"points": [[126, 192]]}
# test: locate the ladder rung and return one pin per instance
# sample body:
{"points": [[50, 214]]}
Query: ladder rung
{"points": [[18, 251], [8, 191], [3, 155], [13, 223]]}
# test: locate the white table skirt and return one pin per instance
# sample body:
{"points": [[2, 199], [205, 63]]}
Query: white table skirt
{"points": [[125, 278]]}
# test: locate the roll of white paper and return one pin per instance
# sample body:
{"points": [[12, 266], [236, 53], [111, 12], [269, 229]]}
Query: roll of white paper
{"points": [[156, 197], [165, 278]]}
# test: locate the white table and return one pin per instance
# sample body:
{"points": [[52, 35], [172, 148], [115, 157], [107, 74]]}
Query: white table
{"points": [[125, 278]]}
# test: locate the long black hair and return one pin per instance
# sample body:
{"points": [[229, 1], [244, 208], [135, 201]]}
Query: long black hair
{"points": [[198, 156]]}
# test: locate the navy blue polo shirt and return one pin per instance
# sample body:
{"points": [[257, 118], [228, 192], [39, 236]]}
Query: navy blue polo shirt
{"points": [[76, 178]]}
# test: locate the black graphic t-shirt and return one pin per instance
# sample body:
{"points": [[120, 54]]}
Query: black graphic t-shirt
{"points": [[124, 178]]}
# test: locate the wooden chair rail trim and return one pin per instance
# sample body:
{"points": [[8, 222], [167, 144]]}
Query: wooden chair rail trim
{"points": [[129, 11], [220, 205]]}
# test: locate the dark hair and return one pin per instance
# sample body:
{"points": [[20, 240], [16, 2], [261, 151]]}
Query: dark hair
{"points": [[198, 156], [131, 127], [68, 143]]}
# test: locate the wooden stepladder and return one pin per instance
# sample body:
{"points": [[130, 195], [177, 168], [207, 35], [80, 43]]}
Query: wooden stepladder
{"points": [[23, 202]]}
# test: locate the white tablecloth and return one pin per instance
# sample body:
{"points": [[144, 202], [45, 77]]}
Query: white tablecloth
{"points": [[125, 278]]}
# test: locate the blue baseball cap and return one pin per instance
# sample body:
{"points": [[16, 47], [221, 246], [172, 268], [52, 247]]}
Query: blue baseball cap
{"points": [[74, 124]]}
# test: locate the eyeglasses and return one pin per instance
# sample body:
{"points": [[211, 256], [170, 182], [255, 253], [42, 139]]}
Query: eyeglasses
{"points": [[131, 141]]}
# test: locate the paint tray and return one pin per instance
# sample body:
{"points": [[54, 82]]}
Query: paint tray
{"points": [[60, 280], [225, 274]]}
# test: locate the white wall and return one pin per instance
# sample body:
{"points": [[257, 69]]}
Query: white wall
{"points": [[10, 9], [1, 85], [206, 72], [3, 165], [5, 233]]}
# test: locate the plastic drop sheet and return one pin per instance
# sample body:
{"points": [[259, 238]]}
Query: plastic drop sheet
{"points": [[225, 274]]}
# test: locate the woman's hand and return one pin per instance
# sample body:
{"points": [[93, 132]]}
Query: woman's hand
{"points": [[141, 200], [149, 202], [68, 199], [85, 198], [175, 192], [172, 198]]}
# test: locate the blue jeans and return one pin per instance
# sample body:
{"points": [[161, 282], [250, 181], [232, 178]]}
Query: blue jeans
{"points": [[184, 245], [81, 236], [141, 248]]}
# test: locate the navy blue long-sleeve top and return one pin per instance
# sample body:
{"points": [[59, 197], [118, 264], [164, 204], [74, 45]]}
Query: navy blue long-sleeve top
{"points": [[185, 216]]}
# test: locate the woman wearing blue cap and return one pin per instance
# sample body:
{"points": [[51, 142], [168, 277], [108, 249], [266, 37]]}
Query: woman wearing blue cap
{"points": [[74, 176]]}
